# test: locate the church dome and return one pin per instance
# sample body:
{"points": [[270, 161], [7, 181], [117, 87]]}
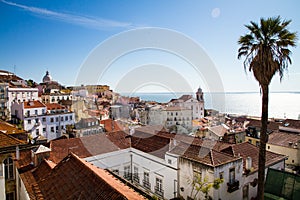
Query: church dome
{"points": [[47, 78]]}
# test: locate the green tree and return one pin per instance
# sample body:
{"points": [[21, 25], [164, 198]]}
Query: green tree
{"points": [[204, 186], [266, 52]]}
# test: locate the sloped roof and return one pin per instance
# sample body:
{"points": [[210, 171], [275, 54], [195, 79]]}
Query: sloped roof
{"points": [[111, 125], [284, 139], [41, 149], [185, 97], [248, 150], [8, 141], [219, 130], [203, 155], [9, 128], [81, 180], [83, 147], [152, 144]]}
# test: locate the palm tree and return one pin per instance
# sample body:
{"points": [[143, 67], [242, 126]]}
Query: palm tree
{"points": [[266, 51]]}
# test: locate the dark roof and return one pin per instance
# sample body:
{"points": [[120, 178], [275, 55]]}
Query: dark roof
{"points": [[257, 123], [246, 150], [284, 139], [83, 147], [202, 154]]}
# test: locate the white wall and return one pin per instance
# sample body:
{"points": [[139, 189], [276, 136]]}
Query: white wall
{"points": [[21, 192], [156, 167]]}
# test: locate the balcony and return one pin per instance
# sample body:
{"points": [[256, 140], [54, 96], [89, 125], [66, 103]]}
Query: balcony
{"points": [[146, 184], [136, 179], [127, 176], [233, 186], [159, 191]]}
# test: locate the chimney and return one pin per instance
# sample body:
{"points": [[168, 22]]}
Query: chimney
{"points": [[172, 143], [248, 163], [39, 153]]}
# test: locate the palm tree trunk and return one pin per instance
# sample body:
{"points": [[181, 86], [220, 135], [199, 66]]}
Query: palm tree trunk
{"points": [[263, 141]]}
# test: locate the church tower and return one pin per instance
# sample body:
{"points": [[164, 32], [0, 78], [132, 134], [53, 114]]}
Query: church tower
{"points": [[199, 94]]}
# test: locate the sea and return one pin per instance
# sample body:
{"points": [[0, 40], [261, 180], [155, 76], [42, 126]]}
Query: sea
{"points": [[281, 104]]}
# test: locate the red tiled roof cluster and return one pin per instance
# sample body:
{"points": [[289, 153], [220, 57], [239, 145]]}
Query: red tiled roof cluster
{"points": [[83, 147], [284, 139], [74, 178], [246, 149], [33, 104], [111, 125], [54, 106], [7, 140]]}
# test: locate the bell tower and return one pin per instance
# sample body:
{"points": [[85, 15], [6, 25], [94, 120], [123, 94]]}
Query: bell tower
{"points": [[199, 94]]}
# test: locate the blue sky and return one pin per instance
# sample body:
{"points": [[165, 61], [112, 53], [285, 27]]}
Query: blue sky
{"points": [[58, 36]]}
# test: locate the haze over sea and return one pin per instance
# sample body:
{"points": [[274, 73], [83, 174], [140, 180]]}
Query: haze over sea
{"points": [[281, 104]]}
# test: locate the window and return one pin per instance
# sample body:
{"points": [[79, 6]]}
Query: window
{"points": [[29, 121], [232, 175], [257, 143], [28, 113], [127, 174], [62, 119], [66, 118], [136, 174], [70, 117], [10, 196], [44, 119], [35, 112], [146, 183], [250, 141], [44, 129], [36, 121], [37, 131], [9, 168], [221, 175], [56, 128], [169, 161], [52, 129], [51, 119], [158, 187], [268, 147], [56, 119]]}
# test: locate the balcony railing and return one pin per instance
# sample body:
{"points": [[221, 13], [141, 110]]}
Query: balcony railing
{"points": [[136, 179], [127, 176], [159, 191], [146, 184], [233, 186]]}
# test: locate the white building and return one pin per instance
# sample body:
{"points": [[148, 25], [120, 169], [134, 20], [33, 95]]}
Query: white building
{"points": [[39, 119], [178, 116], [188, 101], [21, 94]]}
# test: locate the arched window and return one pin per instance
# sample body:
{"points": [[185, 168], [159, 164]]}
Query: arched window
{"points": [[9, 168]]}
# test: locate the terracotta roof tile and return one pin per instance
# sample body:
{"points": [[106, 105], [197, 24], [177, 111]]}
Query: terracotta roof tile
{"points": [[284, 139], [7, 140], [82, 180], [83, 147], [54, 106], [33, 104], [248, 150], [9, 128], [111, 125]]}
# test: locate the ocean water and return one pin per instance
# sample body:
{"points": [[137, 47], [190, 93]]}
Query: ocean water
{"points": [[281, 104]]}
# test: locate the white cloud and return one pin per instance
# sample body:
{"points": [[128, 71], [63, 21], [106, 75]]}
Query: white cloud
{"points": [[91, 22]]}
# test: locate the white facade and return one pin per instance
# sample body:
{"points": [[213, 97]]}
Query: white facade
{"points": [[55, 97], [154, 175], [37, 121], [178, 116], [157, 116], [20, 95]]}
